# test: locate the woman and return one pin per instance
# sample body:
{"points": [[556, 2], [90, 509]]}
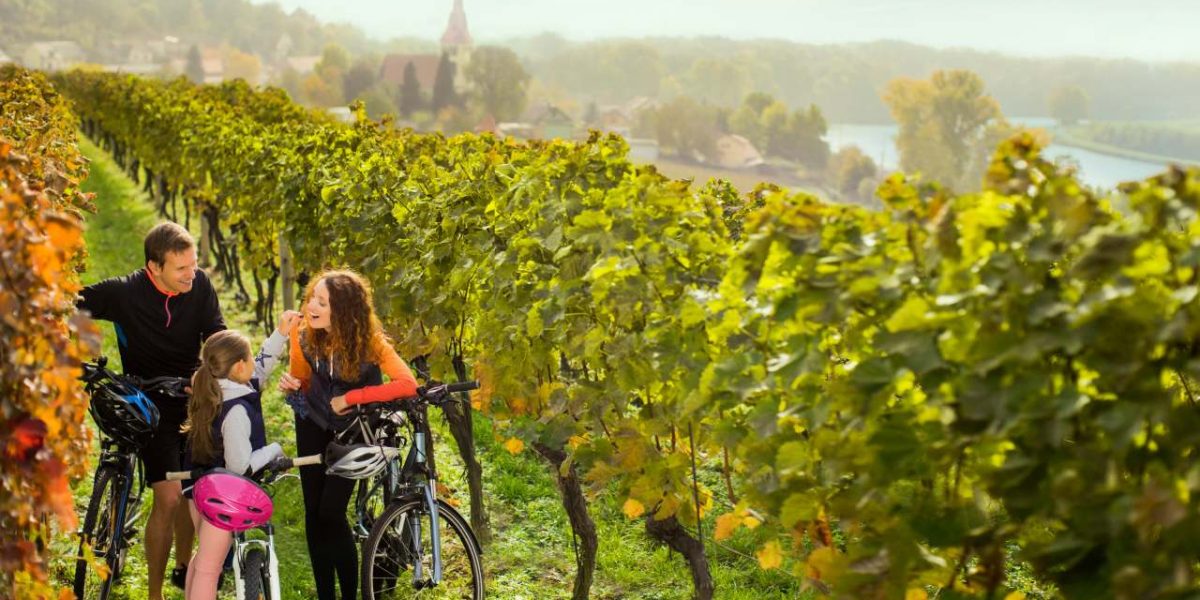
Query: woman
{"points": [[337, 358]]}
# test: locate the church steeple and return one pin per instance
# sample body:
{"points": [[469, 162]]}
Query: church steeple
{"points": [[456, 35]]}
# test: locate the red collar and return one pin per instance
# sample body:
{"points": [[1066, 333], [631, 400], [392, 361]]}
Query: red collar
{"points": [[159, 287]]}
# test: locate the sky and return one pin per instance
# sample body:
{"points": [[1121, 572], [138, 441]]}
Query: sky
{"points": [[1154, 30]]}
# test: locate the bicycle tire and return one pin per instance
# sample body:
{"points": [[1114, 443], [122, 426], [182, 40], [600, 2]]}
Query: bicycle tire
{"points": [[102, 534], [388, 554], [371, 498], [254, 575]]}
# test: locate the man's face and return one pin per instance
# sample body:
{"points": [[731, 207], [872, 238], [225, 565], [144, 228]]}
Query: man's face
{"points": [[178, 271]]}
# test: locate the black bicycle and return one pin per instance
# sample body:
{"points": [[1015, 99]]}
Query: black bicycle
{"points": [[126, 419], [419, 546]]}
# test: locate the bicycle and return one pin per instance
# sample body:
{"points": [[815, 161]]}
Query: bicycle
{"points": [[405, 554], [373, 494], [255, 563], [385, 429], [119, 481]]}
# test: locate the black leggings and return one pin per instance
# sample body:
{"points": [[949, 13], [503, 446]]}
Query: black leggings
{"points": [[331, 546]]}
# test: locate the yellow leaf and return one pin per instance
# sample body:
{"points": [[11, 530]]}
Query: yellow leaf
{"points": [[633, 509], [576, 441], [1015, 596], [751, 522], [820, 564], [771, 556], [916, 594], [514, 446], [726, 525]]}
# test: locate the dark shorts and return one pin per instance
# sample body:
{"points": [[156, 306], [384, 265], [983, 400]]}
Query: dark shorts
{"points": [[164, 451]]}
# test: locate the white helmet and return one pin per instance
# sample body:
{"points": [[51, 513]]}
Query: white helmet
{"points": [[358, 461]]}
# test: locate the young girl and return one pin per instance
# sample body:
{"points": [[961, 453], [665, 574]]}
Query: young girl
{"points": [[338, 358], [225, 429]]}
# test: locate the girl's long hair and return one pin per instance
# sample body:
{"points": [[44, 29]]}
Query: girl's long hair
{"points": [[222, 350], [352, 323]]}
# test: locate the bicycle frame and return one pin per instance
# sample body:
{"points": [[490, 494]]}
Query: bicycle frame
{"points": [[417, 476]]}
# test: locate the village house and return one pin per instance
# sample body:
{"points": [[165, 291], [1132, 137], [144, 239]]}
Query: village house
{"points": [[53, 56], [735, 152]]}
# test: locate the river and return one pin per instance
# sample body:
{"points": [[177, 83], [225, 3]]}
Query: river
{"points": [[1102, 170]]}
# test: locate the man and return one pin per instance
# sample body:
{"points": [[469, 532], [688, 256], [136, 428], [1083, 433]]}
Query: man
{"points": [[162, 314]]}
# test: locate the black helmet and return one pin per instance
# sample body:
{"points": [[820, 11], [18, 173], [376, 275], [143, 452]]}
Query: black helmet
{"points": [[124, 413]]}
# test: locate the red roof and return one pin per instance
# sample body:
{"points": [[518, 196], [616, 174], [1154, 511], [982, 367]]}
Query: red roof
{"points": [[456, 29], [392, 69]]}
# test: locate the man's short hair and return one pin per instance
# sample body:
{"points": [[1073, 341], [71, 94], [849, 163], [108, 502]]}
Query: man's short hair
{"points": [[165, 238]]}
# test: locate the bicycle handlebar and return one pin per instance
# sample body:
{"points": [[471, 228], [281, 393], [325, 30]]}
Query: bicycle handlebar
{"points": [[279, 464], [97, 371]]}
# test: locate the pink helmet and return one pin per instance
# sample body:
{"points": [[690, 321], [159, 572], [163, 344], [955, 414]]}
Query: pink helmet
{"points": [[231, 502]]}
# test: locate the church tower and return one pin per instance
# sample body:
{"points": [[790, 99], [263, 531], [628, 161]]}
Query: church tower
{"points": [[456, 42]]}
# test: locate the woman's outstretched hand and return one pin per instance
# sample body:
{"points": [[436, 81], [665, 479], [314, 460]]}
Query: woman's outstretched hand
{"points": [[288, 383], [287, 321]]}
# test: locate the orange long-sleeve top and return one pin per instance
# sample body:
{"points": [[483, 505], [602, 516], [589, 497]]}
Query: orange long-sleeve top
{"points": [[402, 384]]}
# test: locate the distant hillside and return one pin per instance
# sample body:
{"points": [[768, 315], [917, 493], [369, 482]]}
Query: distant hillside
{"points": [[102, 27], [845, 80]]}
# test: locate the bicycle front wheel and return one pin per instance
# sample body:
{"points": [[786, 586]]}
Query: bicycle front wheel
{"points": [[255, 581], [397, 558], [103, 535]]}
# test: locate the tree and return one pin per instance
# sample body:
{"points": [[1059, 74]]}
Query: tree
{"points": [[377, 101], [849, 168], [195, 65], [1069, 104], [592, 116], [746, 121], [807, 129], [330, 69], [717, 81], [315, 90], [683, 125], [240, 65], [360, 77], [777, 141], [410, 91], [758, 101], [943, 125], [498, 81], [443, 85]]}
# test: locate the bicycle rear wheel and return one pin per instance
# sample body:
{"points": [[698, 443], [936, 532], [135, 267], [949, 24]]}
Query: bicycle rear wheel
{"points": [[102, 532], [397, 558]]}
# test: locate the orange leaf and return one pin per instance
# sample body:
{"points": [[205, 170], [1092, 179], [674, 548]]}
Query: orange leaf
{"points": [[633, 509], [771, 556], [514, 446], [726, 525]]}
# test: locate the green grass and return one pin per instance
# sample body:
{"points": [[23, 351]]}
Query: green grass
{"points": [[531, 555]]}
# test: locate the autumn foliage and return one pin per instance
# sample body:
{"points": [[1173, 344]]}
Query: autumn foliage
{"points": [[42, 404]]}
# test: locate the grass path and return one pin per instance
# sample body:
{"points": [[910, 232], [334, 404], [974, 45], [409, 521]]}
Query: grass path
{"points": [[531, 556]]}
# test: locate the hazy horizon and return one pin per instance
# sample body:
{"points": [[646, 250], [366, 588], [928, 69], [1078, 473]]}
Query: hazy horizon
{"points": [[1152, 30]]}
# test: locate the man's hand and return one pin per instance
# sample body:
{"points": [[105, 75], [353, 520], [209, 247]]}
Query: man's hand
{"points": [[287, 321], [338, 404]]}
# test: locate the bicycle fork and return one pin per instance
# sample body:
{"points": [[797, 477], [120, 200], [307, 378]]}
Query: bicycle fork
{"points": [[435, 538], [242, 546]]}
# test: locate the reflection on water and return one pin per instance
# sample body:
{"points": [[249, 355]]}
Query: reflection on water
{"points": [[878, 142]]}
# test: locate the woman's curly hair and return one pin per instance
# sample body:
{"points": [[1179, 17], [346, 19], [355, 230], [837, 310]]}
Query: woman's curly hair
{"points": [[353, 326]]}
